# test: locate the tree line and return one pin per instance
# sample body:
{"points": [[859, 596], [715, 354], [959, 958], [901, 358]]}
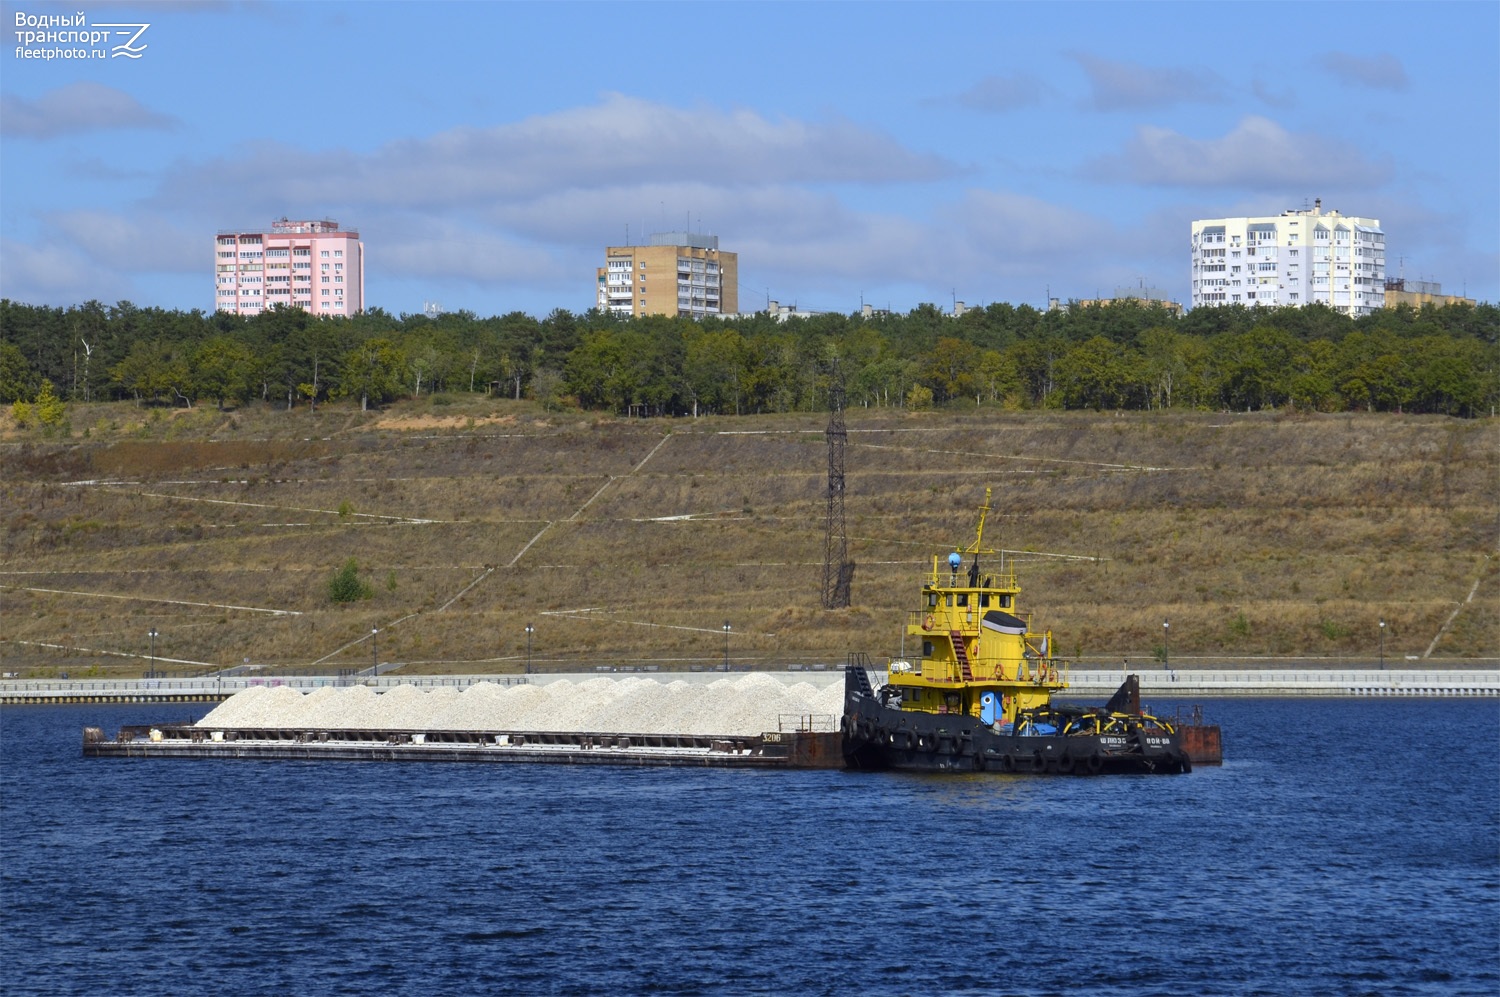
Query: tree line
{"points": [[1123, 355]]}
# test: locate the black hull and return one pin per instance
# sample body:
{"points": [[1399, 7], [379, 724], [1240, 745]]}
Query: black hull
{"points": [[878, 737]]}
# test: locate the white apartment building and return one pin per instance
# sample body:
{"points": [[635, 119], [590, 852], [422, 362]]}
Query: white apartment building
{"points": [[312, 265], [1294, 258]]}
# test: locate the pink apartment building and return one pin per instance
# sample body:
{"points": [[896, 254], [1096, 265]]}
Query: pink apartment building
{"points": [[312, 265]]}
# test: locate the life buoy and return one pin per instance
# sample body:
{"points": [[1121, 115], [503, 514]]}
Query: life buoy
{"points": [[929, 622]]}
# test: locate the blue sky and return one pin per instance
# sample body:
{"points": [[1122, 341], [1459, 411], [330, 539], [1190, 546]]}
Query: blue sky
{"points": [[887, 153]]}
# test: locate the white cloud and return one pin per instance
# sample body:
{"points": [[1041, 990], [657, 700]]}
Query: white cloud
{"points": [[601, 216], [1019, 229], [1258, 155], [135, 244], [1002, 93], [1378, 72], [1280, 99], [621, 141], [1127, 85], [444, 250], [77, 107], [55, 274]]}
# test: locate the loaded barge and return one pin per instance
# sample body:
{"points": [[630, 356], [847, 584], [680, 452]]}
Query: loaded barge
{"points": [[980, 696], [806, 749]]}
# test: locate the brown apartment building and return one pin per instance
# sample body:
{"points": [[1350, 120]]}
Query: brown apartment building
{"points": [[675, 273]]}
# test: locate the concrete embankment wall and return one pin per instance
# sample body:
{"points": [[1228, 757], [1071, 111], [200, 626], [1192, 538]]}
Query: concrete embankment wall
{"points": [[1214, 683], [1084, 684]]}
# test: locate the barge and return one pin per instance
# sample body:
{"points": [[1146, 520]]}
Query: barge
{"points": [[981, 695], [804, 749]]}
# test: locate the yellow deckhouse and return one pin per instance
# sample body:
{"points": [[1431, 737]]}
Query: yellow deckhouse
{"points": [[980, 656]]}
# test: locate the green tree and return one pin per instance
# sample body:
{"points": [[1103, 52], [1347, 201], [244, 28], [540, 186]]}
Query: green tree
{"points": [[347, 586], [1165, 364], [15, 374], [950, 369], [221, 369], [713, 369], [1097, 374], [50, 409], [1036, 366], [373, 372]]}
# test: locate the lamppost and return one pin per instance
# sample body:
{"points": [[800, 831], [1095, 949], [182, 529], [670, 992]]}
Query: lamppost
{"points": [[1382, 645], [374, 652], [726, 645], [529, 630], [152, 673], [1166, 654]]}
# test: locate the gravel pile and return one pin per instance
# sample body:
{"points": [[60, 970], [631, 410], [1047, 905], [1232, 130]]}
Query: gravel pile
{"points": [[748, 705]]}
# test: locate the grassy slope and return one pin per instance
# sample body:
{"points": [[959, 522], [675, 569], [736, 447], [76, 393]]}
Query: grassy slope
{"points": [[1255, 535]]}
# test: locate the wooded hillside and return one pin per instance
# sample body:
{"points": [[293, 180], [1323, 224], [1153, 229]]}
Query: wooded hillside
{"points": [[1124, 356]]}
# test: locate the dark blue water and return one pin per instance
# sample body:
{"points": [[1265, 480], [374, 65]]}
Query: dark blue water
{"points": [[1345, 847]]}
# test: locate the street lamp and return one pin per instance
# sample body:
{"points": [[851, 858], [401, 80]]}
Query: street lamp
{"points": [[374, 652], [1166, 655], [529, 630], [1382, 645], [726, 645], [152, 673]]}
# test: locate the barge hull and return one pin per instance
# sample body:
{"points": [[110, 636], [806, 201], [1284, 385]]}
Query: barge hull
{"points": [[777, 749]]}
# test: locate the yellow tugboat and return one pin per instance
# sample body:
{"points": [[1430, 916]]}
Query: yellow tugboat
{"points": [[980, 695]]}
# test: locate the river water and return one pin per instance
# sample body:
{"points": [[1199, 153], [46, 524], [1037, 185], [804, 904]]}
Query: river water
{"points": [[1344, 847]]}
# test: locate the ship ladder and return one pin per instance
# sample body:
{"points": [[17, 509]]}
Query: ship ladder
{"points": [[962, 653]]}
